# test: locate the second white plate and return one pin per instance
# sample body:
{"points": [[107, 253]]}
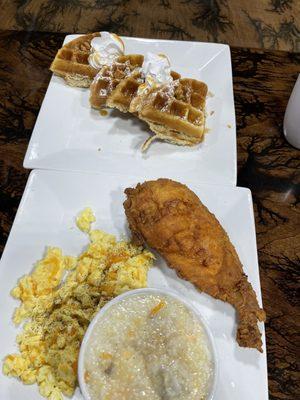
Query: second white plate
{"points": [[46, 217], [69, 135]]}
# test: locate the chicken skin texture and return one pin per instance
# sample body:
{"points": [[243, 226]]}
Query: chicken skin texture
{"points": [[171, 219]]}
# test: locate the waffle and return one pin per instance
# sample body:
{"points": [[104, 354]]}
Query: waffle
{"points": [[71, 61], [123, 74], [127, 90], [174, 112], [116, 85]]}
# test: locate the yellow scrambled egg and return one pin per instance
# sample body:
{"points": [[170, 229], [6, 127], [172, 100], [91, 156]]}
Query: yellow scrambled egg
{"points": [[59, 299], [85, 219]]}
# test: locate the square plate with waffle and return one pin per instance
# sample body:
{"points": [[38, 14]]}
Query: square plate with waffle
{"points": [[70, 135]]}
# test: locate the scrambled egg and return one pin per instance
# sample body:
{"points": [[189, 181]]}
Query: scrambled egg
{"points": [[59, 299], [85, 219]]}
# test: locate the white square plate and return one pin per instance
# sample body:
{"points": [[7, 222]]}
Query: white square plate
{"points": [[46, 218], [69, 135]]}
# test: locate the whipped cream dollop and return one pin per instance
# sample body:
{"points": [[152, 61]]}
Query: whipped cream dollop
{"points": [[156, 69], [105, 49]]}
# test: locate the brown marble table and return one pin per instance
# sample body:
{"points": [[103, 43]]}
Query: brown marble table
{"points": [[266, 164]]}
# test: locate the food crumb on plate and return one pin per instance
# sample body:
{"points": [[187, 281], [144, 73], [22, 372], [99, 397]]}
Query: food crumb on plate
{"points": [[229, 126], [103, 113], [84, 219], [59, 299]]}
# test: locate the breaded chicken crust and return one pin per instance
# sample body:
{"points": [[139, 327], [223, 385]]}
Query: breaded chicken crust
{"points": [[171, 219]]}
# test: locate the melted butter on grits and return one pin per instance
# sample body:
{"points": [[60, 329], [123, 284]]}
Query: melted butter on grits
{"points": [[59, 299]]}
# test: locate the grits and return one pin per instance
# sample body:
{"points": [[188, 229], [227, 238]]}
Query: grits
{"points": [[149, 347]]}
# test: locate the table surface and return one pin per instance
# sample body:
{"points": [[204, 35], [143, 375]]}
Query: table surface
{"points": [[267, 164], [270, 24]]}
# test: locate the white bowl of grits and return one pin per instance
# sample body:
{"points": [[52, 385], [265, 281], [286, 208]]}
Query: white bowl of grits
{"points": [[147, 344]]}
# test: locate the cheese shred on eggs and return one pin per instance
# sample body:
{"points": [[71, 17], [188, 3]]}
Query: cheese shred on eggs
{"points": [[59, 299]]}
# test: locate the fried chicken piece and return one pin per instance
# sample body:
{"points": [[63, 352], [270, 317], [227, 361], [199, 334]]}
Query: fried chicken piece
{"points": [[171, 219]]}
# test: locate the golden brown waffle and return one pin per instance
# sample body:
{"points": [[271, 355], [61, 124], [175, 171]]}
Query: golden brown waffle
{"points": [[127, 89], [174, 112], [114, 84], [71, 61]]}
